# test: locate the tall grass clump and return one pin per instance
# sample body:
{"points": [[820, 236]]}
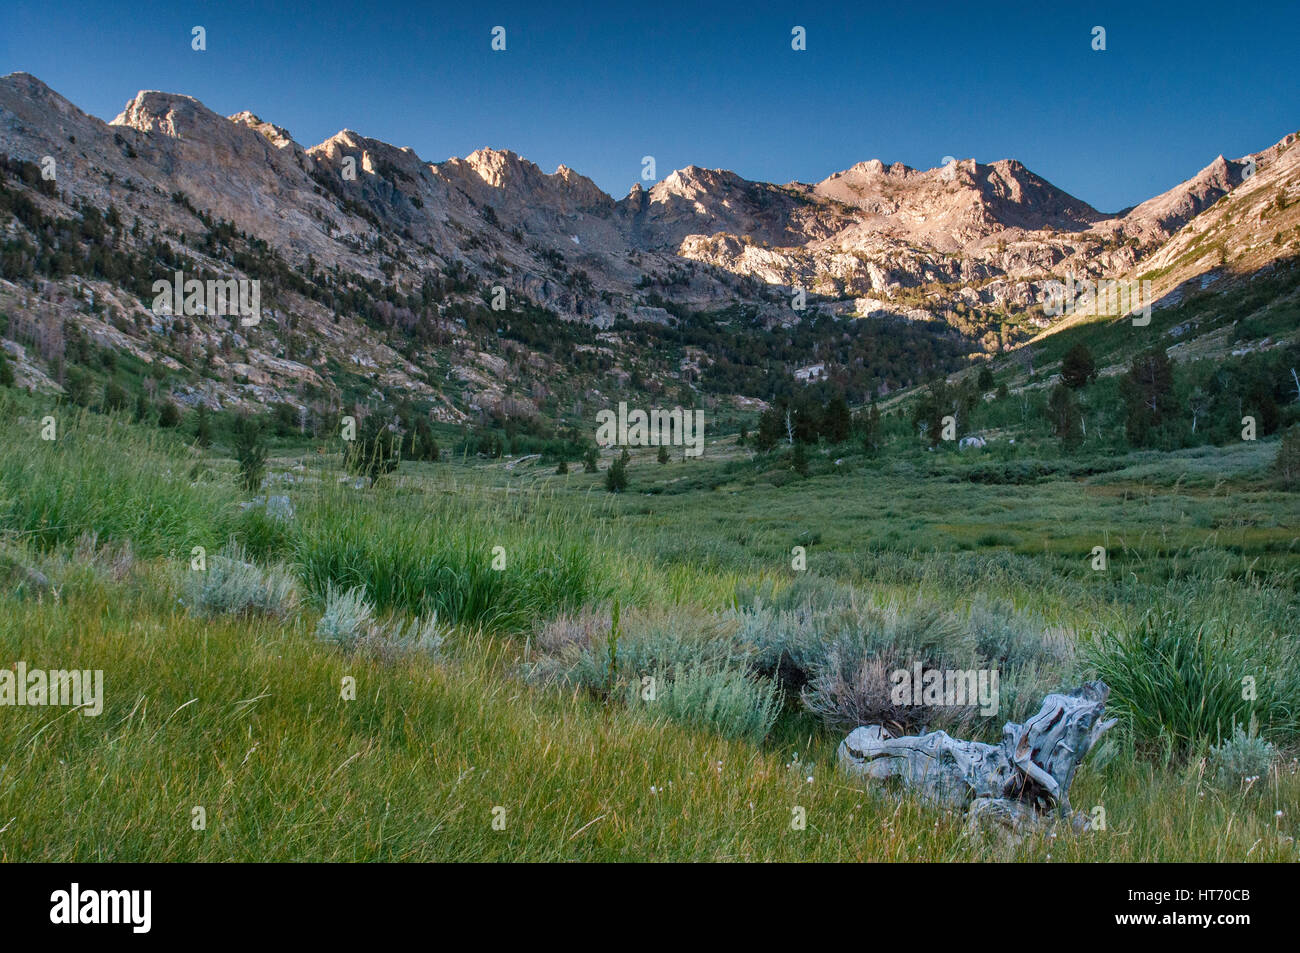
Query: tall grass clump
{"points": [[1178, 676], [249, 446], [104, 476], [18, 574], [420, 556], [264, 535], [113, 561]]}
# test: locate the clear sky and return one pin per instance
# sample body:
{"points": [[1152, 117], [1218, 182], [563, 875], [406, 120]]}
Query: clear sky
{"points": [[596, 86]]}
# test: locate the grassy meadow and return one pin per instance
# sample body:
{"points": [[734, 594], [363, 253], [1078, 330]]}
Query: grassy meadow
{"points": [[497, 622]]}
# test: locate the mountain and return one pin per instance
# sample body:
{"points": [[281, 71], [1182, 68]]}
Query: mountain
{"points": [[378, 267], [1233, 221]]}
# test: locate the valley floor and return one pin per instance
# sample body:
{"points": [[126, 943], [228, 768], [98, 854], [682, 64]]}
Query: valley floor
{"points": [[460, 753]]}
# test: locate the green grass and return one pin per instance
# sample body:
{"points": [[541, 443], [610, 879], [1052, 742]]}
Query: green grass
{"points": [[244, 718], [462, 555], [242, 714], [1183, 673], [126, 482]]}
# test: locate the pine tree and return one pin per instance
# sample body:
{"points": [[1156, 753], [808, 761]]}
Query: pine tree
{"points": [[934, 405], [870, 423], [771, 429], [1078, 369], [616, 475], [170, 415], [799, 460], [203, 427], [837, 422], [250, 452], [1287, 465], [115, 397], [1261, 404], [77, 386], [1063, 409], [1148, 392], [663, 454], [421, 442]]}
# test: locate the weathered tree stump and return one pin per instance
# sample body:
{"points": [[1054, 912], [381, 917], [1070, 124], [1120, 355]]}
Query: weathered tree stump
{"points": [[1023, 779]]}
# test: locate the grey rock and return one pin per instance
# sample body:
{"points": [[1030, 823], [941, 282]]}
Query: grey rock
{"points": [[278, 507]]}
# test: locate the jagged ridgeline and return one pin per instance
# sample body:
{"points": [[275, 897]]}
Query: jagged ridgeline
{"points": [[456, 510], [482, 288]]}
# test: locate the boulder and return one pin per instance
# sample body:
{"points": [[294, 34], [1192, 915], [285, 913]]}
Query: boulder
{"points": [[277, 507]]}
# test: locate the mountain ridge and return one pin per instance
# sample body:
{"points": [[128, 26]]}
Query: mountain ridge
{"points": [[967, 246]]}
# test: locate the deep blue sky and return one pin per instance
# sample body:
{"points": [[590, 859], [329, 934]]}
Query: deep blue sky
{"points": [[714, 85]]}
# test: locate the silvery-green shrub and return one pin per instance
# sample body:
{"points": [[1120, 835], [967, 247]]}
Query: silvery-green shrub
{"points": [[1244, 755], [726, 700], [347, 619], [232, 584]]}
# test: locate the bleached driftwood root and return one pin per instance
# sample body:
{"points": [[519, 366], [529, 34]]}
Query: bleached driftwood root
{"points": [[1020, 781]]}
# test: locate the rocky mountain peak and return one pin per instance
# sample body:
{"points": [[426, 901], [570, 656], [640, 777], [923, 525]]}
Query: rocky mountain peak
{"points": [[1162, 215], [503, 179], [499, 168], [170, 114], [28, 85], [694, 180], [1016, 197], [25, 90], [278, 136]]}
